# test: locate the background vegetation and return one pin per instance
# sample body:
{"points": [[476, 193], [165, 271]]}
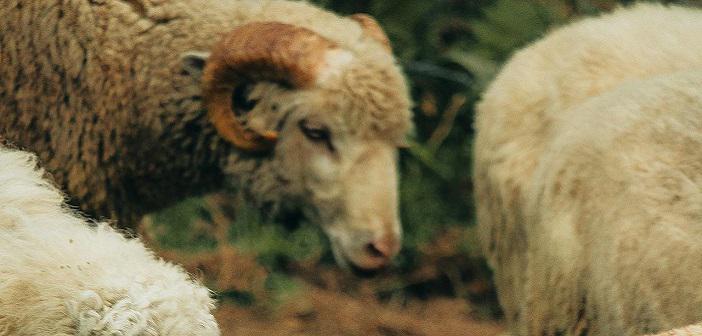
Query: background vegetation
{"points": [[450, 50]]}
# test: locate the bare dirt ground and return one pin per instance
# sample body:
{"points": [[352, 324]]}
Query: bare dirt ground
{"points": [[328, 313], [331, 302], [448, 293]]}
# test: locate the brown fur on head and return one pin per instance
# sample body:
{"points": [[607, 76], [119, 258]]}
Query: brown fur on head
{"points": [[331, 120]]}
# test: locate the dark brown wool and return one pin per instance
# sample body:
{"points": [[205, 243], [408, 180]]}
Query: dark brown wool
{"points": [[98, 90]]}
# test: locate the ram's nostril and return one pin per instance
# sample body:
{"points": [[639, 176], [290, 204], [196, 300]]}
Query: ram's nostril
{"points": [[374, 251]]}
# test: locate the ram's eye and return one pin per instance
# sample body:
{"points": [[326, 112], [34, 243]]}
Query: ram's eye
{"points": [[316, 132], [313, 131]]}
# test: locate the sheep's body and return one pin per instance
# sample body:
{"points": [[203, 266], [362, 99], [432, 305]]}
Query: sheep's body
{"points": [[112, 71], [614, 213], [60, 275], [109, 96], [691, 330], [587, 172]]}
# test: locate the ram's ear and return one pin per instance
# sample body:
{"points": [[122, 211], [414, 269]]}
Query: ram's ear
{"points": [[193, 63], [372, 29]]}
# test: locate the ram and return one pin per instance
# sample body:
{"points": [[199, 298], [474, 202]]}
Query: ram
{"points": [[588, 176], [63, 275], [136, 104]]}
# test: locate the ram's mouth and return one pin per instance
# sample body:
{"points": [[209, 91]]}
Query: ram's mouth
{"points": [[347, 263], [366, 273]]}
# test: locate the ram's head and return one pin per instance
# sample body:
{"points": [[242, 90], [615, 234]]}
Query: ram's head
{"points": [[315, 126]]}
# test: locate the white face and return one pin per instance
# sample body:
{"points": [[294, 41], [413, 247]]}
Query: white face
{"points": [[347, 185]]}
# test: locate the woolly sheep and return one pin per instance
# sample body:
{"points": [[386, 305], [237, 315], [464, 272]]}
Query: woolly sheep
{"points": [[108, 94], [691, 330], [587, 176], [63, 275]]}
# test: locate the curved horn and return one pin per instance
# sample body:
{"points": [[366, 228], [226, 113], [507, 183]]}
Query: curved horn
{"points": [[271, 51], [372, 28]]}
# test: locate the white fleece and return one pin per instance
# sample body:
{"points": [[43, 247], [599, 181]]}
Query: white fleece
{"points": [[61, 274]]}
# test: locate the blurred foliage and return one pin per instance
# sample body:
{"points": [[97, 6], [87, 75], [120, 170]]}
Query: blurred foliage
{"points": [[450, 50]]}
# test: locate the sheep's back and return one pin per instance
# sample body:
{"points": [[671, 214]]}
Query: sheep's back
{"points": [[540, 84], [615, 209]]}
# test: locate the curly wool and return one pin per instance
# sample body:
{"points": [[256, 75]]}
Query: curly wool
{"points": [[63, 275], [98, 90], [586, 159], [691, 330]]}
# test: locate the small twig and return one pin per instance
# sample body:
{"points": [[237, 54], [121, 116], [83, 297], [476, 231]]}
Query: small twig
{"points": [[446, 123], [219, 219], [438, 72], [424, 155]]}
